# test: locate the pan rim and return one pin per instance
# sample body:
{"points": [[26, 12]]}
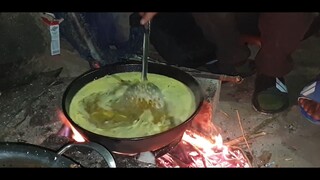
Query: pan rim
{"points": [[91, 71], [31, 152]]}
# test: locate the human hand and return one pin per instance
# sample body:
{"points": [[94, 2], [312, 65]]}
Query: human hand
{"points": [[146, 16]]}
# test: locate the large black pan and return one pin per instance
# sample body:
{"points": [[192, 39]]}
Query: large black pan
{"points": [[25, 155], [141, 144]]}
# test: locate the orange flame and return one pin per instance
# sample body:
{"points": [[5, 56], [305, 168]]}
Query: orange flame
{"points": [[215, 154], [75, 134], [199, 148], [197, 151], [203, 143]]}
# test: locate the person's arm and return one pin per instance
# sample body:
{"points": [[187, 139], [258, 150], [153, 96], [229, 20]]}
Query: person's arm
{"points": [[146, 16]]}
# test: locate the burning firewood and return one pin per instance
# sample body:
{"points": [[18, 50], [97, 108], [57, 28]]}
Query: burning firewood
{"points": [[239, 140]]}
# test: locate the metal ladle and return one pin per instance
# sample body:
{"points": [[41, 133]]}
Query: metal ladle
{"points": [[143, 94], [138, 96]]}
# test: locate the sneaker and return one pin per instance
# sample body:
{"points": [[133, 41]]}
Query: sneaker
{"points": [[270, 95], [309, 101]]}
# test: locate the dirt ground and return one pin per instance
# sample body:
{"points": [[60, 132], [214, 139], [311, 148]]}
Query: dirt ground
{"points": [[290, 140]]}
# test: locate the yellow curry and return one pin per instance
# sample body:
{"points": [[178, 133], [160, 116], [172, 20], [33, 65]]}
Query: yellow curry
{"points": [[96, 107]]}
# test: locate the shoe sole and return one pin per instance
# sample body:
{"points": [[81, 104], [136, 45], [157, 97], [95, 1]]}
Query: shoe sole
{"points": [[266, 112]]}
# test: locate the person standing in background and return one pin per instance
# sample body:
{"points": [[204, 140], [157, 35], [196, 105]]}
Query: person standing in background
{"points": [[280, 36]]}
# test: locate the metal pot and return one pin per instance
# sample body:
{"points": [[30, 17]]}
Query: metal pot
{"points": [[13, 154], [140, 144]]}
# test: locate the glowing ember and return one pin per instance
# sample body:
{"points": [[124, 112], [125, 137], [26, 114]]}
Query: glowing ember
{"points": [[199, 148], [67, 126], [197, 151]]}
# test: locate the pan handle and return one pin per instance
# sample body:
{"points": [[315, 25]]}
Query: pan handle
{"points": [[105, 153]]}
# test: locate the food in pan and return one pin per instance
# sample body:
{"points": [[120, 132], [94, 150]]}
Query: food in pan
{"points": [[99, 107]]}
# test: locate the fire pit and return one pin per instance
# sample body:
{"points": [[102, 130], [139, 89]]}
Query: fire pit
{"points": [[199, 147], [35, 120]]}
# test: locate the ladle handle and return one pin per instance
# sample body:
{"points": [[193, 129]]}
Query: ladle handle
{"points": [[145, 51]]}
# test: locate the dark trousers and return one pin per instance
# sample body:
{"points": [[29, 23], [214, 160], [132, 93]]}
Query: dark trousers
{"points": [[280, 35]]}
